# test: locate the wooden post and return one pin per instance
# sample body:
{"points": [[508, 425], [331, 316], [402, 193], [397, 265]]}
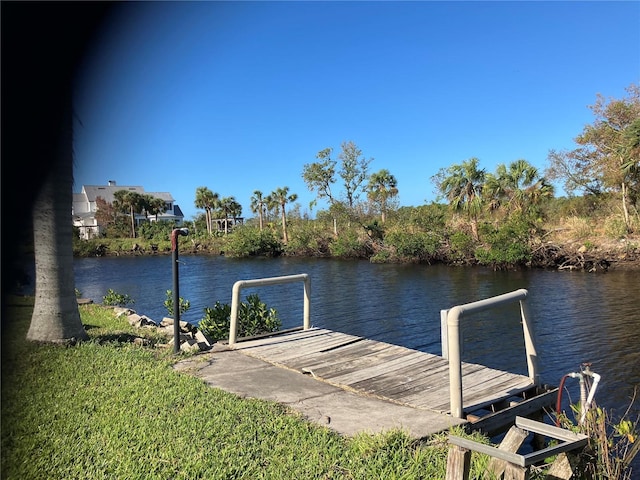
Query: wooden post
{"points": [[562, 468], [458, 463], [511, 442], [516, 472]]}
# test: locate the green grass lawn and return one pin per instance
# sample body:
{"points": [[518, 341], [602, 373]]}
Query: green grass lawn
{"points": [[110, 408]]}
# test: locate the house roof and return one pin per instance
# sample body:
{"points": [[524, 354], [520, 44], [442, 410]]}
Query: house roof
{"points": [[166, 196], [106, 192]]}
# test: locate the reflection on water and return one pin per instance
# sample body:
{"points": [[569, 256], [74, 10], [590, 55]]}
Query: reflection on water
{"points": [[578, 317]]}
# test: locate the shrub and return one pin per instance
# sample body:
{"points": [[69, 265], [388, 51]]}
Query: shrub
{"points": [[348, 245], [374, 230], [250, 241], [428, 217], [116, 299], [507, 245], [156, 231], [615, 228], [184, 305], [89, 248], [419, 245], [382, 256], [216, 321], [254, 317], [308, 239], [461, 246]]}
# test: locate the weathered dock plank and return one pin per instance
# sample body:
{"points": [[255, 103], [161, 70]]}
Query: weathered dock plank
{"points": [[402, 375], [306, 342], [359, 354]]}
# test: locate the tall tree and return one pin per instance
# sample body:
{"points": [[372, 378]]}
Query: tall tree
{"points": [[55, 317], [230, 208], [272, 206], [235, 209], [320, 175], [155, 206], [282, 197], [516, 187], [353, 171], [258, 206], [605, 158], [462, 185], [207, 200], [382, 187], [42, 45], [105, 213], [129, 202]]}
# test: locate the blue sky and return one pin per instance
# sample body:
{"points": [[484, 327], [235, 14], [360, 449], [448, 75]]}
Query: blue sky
{"points": [[239, 96]]}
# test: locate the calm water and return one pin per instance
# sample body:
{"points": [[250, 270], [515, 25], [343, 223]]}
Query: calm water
{"points": [[577, 317]]}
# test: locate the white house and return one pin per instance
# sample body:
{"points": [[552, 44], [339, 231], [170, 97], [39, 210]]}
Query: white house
{"points": [[84, 207]]}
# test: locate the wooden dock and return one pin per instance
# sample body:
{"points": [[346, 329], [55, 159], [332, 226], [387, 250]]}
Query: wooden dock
{"points": [[491, 398]]}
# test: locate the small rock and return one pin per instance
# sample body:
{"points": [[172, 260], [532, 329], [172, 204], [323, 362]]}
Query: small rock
{"points": [[120, 311], [134, 320]]}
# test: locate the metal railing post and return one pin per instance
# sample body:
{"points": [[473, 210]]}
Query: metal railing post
{"points": [[455, 362], [175, 234], [454, 316], [235, 303], [240, 284], [306, 318], [529, 345]]}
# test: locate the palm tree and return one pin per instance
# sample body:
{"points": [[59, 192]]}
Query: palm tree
{"points": [[130, 203], [382, 186], [40, 147], [230, 208], [258, 206], [235, 209], [462, 187], [207, 200], [55, 316], [271, 207], [282, 197], [517, 187], [155, 206]]}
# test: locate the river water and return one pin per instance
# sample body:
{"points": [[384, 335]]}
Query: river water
{"points": [[577, 317]]}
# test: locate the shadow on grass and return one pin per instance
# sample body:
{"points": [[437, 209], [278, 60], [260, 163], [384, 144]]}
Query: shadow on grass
{"points": [[123, 338], [120, 338]]}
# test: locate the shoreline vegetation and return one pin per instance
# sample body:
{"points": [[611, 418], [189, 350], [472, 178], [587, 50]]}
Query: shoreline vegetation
{"points": [[562, 248]]}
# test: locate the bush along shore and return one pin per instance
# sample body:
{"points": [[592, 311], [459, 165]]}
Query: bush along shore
{"points": [[498, 250]]}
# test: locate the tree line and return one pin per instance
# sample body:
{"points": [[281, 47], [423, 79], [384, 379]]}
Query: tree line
{"points": [[319, 176], [603, 167], [128, 203]]}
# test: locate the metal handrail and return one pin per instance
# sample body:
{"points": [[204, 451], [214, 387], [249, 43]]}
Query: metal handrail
{"points": [[454, 343], [259, 282]]}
